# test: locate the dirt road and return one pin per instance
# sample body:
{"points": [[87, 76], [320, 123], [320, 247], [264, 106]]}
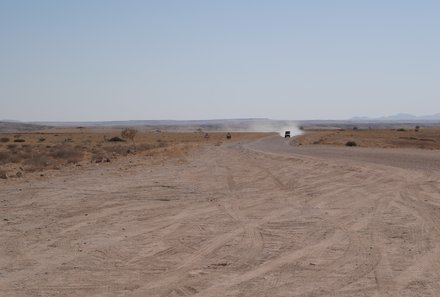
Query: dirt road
{"points": [[254, 219]]}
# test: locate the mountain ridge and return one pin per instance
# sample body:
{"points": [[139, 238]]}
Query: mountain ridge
{"points": [[400, 117]]}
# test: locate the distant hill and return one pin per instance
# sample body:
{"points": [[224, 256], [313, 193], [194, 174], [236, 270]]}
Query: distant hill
{"points": [[15, 126], [401, 117]]}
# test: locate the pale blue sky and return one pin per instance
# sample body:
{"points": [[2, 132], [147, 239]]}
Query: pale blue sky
{"points": [[121, 60]]}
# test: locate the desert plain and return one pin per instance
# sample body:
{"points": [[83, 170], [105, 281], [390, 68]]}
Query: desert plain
{"points": [[182, 214]]}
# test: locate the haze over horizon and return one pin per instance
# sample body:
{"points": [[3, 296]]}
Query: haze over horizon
{"points": [[195, 60]]}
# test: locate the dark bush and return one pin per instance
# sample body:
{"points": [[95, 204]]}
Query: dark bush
{"points": [[351, 143], [401, 130], [4, 139], [41, 139], [19, 140], [116, 139]]}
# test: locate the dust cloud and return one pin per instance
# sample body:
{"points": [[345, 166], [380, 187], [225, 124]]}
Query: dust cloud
{"points": [[279, 128]]}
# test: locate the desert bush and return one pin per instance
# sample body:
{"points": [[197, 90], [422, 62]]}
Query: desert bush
{"points": [[100, 157], [41, 139], [19, 140], [4, 157], [11, 146], [26, 148], [15, 157], [355, 128], [116, 139], [130, 133], [37, 164], [66, 153], [401, 130], [4, 139], [351, 143]]}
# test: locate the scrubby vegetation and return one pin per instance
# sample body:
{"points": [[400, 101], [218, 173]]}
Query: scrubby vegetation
{"points": [[37, 151]]}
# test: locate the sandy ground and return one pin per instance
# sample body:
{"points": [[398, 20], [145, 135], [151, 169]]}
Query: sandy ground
{"points": [[422, 138], [251, 219]]}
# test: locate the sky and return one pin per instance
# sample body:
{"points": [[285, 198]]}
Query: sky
{"points": [[88, 60]]}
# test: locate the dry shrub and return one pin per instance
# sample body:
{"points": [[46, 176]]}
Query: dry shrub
{"points": [[100, 157], [66, 153], [116, 139], [130, 134], [38, 164], [4, 139], [15, 157], [19, 140], [11, 146], [4, 157]]}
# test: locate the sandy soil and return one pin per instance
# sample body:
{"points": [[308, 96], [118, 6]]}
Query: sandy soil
{"points": [[423, 138], [243, 219]]}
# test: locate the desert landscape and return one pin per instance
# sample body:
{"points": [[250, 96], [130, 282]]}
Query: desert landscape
{"points": [[182, 214], [219, 148]]}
